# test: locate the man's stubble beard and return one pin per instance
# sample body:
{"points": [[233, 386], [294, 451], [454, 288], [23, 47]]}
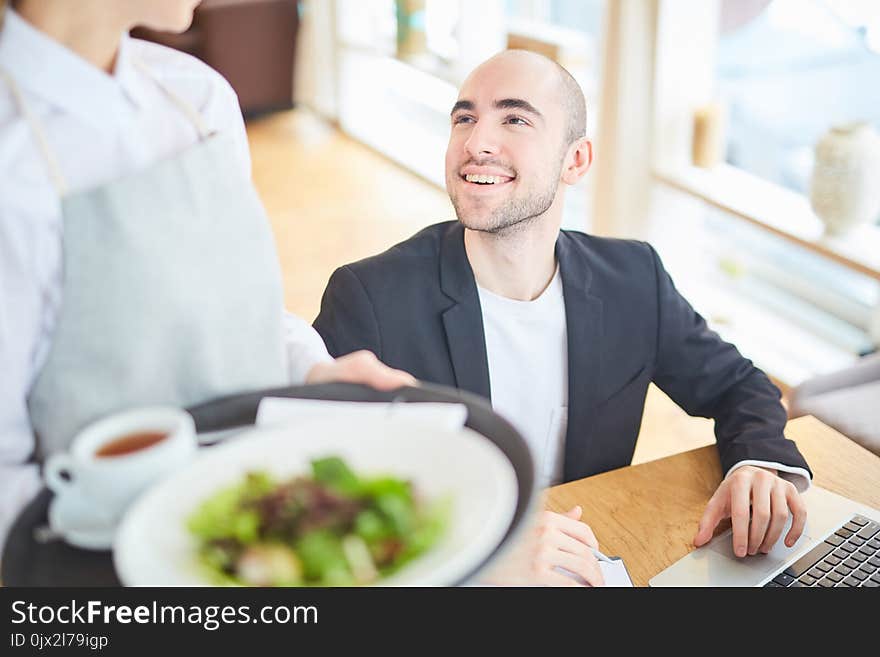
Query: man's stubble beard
{"points": [[515, 215]]}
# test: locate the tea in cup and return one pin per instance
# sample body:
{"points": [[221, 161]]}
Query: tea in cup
{"points": [[113, 460]]}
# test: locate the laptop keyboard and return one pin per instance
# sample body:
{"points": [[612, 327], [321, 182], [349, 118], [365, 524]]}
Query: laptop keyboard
{"points": [[849, 557]]}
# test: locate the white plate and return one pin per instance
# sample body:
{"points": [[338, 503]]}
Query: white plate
{"points": [[153, 547]]}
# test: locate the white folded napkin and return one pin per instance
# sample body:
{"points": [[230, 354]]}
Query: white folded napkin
{"points": [[614, 572], [283, 410]]}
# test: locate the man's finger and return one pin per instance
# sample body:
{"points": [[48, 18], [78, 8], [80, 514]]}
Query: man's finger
{"points": [[779, 516], [761, 487], [712, 515], [564, 542], [586, 567], [739, 514], [799, 515], [574, 512], [551, 577], [575, 529]]}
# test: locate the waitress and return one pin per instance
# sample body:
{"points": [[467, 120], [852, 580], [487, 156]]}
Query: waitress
{"points": [[137, 265]]}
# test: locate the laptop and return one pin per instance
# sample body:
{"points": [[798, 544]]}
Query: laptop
{"points": [[840, 547]]}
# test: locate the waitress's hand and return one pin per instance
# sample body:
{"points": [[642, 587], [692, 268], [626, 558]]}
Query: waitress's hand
{"points": [[360, 367]]}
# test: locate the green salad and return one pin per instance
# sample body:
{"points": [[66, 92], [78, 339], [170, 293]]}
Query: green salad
{"points": [[332, 528]]}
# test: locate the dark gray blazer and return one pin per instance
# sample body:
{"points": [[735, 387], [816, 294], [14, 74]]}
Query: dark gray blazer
{"points": [[416, 307]]}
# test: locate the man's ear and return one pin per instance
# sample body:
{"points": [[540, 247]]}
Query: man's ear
{"points": [[578, 161]]}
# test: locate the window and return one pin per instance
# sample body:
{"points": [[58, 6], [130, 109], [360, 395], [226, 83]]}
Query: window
{"points": [[441, 29], [582, 15], [753, 256], [794, 312], [367, 24], [789, 70], [568, 31]]}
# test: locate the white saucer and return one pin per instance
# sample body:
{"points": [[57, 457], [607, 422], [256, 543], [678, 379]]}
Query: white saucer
{"points": [[74, 518]]}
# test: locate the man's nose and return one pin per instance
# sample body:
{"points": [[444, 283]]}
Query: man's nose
{"points": [[482, 141]]}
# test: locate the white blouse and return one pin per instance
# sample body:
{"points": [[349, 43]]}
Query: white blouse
{"points": [[98, 126]]}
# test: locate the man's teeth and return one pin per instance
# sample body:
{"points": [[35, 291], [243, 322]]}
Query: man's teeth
{"points": [[480, 178]]}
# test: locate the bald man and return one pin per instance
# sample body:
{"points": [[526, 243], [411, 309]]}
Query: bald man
{"points": [[562, 331]]}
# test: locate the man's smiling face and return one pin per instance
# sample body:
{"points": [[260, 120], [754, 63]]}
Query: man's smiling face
{"points": [[507, 144]]}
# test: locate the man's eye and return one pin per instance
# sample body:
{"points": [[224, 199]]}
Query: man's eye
{"points": [[462, 119], [515, 120]]}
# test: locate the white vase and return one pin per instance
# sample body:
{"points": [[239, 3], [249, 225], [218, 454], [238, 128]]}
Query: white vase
{"points": [[845, 186]]}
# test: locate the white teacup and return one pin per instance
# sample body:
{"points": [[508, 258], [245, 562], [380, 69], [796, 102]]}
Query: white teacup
{"points": [[109, 483]]}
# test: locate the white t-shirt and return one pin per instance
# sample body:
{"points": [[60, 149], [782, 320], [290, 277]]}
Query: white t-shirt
{"points": [[98, 126], [527, 352]]}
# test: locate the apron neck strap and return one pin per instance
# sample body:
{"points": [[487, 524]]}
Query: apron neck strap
{"points": [[58, 180], [188, 110]]}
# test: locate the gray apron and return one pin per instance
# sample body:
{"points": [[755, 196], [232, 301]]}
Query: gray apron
{"points": [[171, 289]]}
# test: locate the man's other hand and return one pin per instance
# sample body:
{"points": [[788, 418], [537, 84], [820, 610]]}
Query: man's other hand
{"points": [[557, 541]]}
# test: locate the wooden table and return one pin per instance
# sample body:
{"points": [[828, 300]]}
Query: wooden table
{"points": [[648, 513]]}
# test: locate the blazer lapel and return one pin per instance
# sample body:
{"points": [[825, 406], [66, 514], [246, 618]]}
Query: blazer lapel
{"points": [[463, 321], [583, 319]]}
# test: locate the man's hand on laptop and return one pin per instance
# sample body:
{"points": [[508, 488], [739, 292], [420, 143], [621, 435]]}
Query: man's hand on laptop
{"points": [[360, 367], [758, 503], [559, 542]]}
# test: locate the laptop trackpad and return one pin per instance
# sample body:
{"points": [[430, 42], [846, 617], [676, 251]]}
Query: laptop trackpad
{"points": [[760, 565]]}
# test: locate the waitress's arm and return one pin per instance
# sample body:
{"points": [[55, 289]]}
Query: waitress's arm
{"points": [[304, 348], [24, 291]]}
